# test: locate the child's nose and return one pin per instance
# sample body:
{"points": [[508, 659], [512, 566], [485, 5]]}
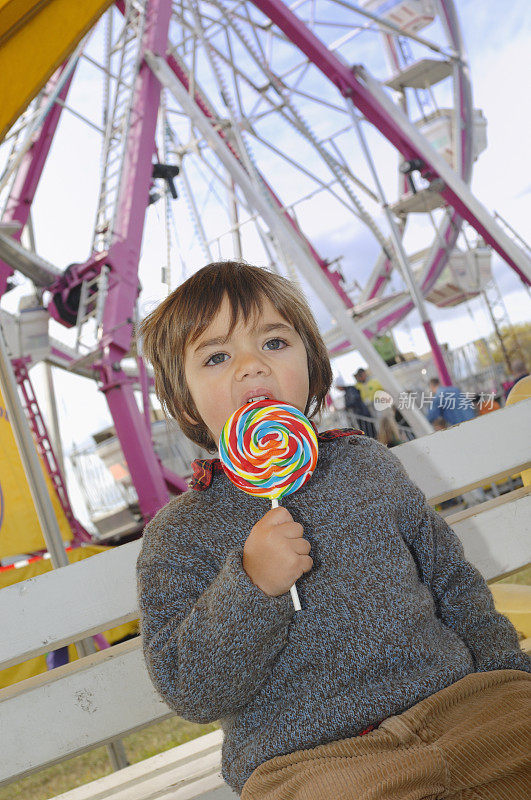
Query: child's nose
{"points": [[250, 364]]}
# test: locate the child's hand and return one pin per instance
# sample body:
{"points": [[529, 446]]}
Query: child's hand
{"points": [[275, 553]]}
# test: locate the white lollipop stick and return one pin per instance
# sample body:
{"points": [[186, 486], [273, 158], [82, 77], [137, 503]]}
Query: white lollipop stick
{"points": [[293, 590]]}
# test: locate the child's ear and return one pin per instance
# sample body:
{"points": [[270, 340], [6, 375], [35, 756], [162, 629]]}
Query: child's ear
{"points": [[189, 419]]}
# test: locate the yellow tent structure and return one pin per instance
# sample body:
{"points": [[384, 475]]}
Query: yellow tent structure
{"points": [[35, 39], [31, 569], [20, 530]]}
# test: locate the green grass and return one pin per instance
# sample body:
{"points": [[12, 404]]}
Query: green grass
{"points": [[95, 764]]}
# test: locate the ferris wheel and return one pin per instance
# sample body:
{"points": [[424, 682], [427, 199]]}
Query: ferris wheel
{"points": [[330, 140]]}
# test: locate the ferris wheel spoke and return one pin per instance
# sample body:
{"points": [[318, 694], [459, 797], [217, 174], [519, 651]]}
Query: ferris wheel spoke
{"points": [[395, 30], [296, 120], [324, 186], [267, 238], [224, 93], [194, 214], [315, 99], [402, 259], [252, 27]]}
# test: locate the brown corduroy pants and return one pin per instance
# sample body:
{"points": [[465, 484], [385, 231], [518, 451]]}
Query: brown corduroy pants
{"points": [[470, 741]]}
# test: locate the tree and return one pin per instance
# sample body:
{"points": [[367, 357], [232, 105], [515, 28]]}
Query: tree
{"points": [[517, 342]]}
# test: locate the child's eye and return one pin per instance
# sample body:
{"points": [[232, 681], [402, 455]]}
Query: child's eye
{"points": [[275, 344], [217, 358]]}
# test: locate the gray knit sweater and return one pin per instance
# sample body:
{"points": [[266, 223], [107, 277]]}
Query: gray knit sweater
{"points": [[391, 611]]}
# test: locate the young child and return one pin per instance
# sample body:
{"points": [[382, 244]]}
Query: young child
{"points": [[398, 679], [388, 432]]}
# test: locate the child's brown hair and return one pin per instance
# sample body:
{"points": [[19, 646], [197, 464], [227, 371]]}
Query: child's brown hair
{"points": [[183, 316]]}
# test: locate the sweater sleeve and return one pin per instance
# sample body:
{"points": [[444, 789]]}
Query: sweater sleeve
{"points": [[209, 635], [463, 599]]}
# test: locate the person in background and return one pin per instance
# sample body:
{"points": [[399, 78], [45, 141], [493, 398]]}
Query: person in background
{"points": [[439, 424], [357, 413], [450, 404], [388, 432], [366, 386], [485, 404], [519, 371]]}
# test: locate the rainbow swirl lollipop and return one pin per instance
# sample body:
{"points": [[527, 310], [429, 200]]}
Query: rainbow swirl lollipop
{"points": [[268, 449]]}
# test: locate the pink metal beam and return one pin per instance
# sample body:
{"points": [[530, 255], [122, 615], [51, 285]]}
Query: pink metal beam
{"points": [[135, 440], [336, 71], [144, 466], [351, 87], [440, 363], [119, 390], [45, 449], [394, 317], [19, 203], [124, 252], [124, 257]]}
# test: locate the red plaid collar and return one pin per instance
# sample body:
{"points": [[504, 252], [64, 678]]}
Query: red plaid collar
{"points": [[205, 469]]}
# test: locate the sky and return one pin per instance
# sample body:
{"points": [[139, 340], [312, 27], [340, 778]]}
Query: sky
{"points": [[498, 40]]}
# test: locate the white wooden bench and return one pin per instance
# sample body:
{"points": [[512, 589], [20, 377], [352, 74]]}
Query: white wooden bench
{"points": [[62, 713]]}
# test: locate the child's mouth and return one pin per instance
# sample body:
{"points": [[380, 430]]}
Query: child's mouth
{"points": [[256, 393]]}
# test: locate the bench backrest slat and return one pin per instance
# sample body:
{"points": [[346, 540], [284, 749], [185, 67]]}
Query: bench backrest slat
{"points": [[472, 454], [497, 541], [94, 696], [68, 604]]}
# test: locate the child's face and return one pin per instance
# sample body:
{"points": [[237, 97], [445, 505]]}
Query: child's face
{"points": [[265, 356]]}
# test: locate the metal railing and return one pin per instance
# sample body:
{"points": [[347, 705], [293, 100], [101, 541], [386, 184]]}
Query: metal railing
{"points": [[345, 418]]}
